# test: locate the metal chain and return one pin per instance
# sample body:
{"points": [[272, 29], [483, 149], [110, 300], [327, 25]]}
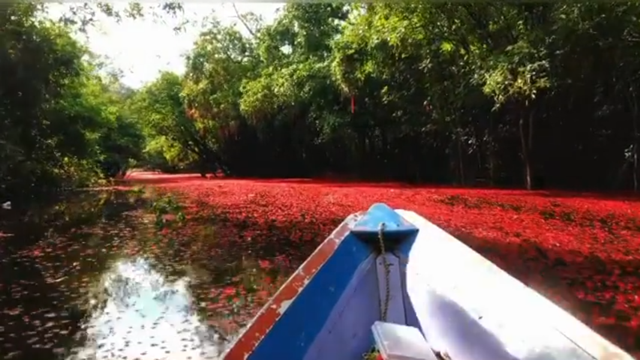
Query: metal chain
{"points": [[371, 354], [385, 307], [387, 273]]}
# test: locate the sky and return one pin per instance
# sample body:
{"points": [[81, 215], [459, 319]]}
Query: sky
{"points": [[142, 48]]}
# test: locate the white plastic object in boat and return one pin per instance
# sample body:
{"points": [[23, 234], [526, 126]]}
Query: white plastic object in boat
{"points": [[401, 342]]}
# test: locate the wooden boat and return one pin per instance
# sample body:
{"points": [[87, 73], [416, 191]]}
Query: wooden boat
{"points": [[465, 306]]}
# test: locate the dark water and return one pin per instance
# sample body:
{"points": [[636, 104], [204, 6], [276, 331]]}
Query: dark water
{"points": [[90, 277]]}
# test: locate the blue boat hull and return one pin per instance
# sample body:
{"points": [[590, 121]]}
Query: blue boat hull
{"points": [[464, 305]]}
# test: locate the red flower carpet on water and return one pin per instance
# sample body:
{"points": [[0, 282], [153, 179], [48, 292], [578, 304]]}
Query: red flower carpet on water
{"points": [[580, 250]]}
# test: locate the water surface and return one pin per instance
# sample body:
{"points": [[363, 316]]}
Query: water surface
{"points": [[91, 277]]}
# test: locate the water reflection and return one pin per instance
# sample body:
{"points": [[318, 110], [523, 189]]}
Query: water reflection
{"points": [[146, 316], [91, 278]]}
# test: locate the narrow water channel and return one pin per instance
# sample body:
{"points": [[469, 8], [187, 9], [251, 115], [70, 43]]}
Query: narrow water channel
{"points": [[90, 277]]}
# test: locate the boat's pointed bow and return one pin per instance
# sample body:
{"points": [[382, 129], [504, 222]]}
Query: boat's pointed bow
{"points": [[381, 217]]}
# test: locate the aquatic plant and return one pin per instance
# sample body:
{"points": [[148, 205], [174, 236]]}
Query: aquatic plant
{"points": [[167, 210]]}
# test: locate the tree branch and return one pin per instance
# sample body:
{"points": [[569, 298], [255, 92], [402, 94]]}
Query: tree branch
{"points": [[246, 26]]}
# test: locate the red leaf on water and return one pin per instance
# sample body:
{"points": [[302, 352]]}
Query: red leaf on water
{"points": [[580, 250]]}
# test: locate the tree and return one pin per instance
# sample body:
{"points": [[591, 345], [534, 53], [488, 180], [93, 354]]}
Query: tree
{"points": [[443, 93]]}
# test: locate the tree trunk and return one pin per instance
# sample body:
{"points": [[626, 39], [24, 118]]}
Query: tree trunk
{"points": [[362, 151], [634, 149], [526, 141], [461, 161], [491, 154], [384, 144], [633, 105]]}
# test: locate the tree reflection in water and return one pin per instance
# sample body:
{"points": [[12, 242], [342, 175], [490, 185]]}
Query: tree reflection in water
{"points": [[138, 314], [77, 284]]}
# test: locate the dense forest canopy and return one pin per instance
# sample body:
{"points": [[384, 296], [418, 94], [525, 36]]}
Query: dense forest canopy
{"points": [[532, 95]]}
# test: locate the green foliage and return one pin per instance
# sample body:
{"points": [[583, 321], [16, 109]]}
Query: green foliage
{"points": [[174, 140], [138, 190], [61, 124], [502, 93], [167, 211]]}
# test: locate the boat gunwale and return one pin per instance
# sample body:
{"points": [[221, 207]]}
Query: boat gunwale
{"points": [[565, 324], [275, 308]]}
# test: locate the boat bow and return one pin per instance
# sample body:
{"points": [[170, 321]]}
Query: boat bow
{"points": [[398, 267]]}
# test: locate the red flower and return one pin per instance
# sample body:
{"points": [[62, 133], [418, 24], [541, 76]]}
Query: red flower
{"points": [[229, 291]]}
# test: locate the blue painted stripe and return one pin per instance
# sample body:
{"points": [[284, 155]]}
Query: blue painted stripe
{"points": [[292, 335], [347, 335]]}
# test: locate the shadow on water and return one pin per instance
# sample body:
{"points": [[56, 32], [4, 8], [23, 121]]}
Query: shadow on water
{"points": [[89, 277]]}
